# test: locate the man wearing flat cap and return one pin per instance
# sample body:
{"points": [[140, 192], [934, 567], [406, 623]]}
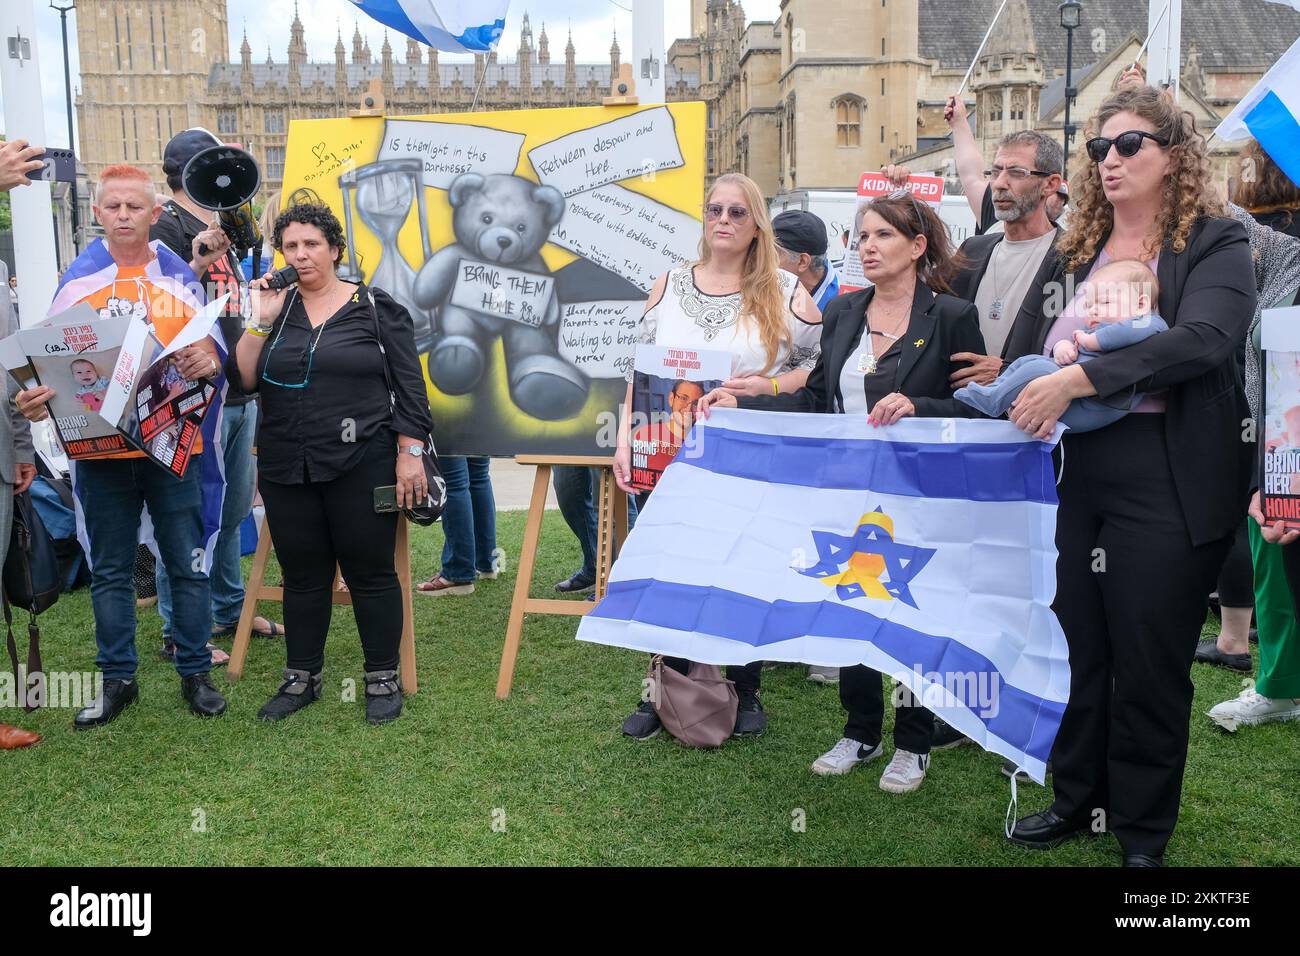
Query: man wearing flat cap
{"points": [[801, 244]]}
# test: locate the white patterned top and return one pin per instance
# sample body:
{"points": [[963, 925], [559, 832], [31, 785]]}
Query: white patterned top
{"points": [[685, 317]]}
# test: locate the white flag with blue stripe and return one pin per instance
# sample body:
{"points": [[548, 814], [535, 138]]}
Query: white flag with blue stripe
{"points": [[1270, 113], [925, 550], [454, 26]]}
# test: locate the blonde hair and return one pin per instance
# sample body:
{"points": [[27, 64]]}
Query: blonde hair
{"points": [[761, 297], [1188, 192]]}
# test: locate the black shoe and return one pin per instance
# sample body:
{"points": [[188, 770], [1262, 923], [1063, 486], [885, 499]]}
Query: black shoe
{"points": [[115, 697], [1009, 768], [205, 700], [297, 691], [643, 723], [1042, 831], [946, 736], [383, 697], [1143, 859], [577, 583], [1207, 652], [750, 719]]}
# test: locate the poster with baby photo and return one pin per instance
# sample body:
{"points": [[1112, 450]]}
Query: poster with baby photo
{"points": [[1279, 471], [74, 354], [150, 402], [667, 385]]}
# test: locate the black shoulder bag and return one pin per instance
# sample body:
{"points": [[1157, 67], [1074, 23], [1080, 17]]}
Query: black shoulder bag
{"points": [[429, 512], [32, 581]]}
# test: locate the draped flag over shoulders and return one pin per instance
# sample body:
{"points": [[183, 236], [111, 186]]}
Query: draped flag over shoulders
{"points": [[454, 26], [925, 550], [92, 272], [1270, 113]]}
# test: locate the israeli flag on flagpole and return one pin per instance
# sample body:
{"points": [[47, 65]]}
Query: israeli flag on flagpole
{"points": [[1270, 112], [453, 26], [925, 550]]}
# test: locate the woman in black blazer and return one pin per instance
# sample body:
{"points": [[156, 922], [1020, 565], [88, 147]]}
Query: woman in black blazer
{"points": [[1148, 505], [885, 354]]}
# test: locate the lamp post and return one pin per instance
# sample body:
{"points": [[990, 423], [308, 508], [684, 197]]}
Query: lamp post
{"points": [[72, 143], [1069, 11]]}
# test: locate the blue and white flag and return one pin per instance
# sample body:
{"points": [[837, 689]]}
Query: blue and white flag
{"points": [[925, 550], [1270, 112], [454, 26]]}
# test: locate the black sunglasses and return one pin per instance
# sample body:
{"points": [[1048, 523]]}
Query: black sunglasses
{"points": [[1126, 144]]}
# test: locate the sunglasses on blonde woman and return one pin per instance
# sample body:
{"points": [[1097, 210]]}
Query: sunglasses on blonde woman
{"points": [[714, 210]]}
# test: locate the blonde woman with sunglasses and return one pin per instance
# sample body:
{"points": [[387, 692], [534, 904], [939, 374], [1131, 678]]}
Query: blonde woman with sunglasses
{"points": [[735, 297]]}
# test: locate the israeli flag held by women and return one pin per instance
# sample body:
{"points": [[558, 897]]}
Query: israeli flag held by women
{"points": [[925, 550], [1270, 113], [454, 26]]}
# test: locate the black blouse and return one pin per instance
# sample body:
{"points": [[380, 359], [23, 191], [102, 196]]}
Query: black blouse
{"points": [[319, 431]]}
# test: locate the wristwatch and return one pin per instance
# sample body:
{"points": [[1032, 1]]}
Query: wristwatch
{"points": [[414, 451]]}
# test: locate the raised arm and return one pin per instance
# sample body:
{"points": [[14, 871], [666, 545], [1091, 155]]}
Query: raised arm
{"points": [[966, 153]]}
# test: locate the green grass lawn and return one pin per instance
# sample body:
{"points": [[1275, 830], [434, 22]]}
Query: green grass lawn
{"points": [[549, 763]]}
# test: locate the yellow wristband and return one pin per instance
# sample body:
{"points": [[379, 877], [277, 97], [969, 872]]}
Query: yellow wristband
{"points": [[254, 330], [776, 389]]}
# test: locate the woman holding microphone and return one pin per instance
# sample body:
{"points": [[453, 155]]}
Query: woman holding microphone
{"points": [[320, 355], [886, 355]]}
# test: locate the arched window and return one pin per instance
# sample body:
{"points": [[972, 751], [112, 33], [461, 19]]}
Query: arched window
{"points": [[1018, 106], [848, 120]]}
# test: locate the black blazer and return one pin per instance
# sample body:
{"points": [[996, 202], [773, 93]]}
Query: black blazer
{"points": [[940, 326], [1207, 296], [1033, 319]]}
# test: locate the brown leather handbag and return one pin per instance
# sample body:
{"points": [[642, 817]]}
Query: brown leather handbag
{"points": [[698, 708]]}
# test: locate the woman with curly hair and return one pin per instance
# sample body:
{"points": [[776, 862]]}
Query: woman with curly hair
{"points": [[1148, 505], [320, 355], [1266, 192]]}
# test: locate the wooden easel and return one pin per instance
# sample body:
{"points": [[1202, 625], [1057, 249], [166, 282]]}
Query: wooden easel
{"points": [[258, 590], [611, 531]]}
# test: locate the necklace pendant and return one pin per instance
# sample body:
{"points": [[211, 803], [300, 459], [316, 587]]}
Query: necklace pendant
{"points": [[995, 310], [866, 364]]}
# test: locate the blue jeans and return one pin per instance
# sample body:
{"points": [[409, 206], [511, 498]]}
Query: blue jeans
{"points": [[469, 521], [1082, 414], [575, 488], [238, 429], [111, 493]]}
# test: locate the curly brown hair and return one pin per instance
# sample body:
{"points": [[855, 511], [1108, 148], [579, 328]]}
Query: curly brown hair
{"points": [[312, 214], [1267, 188], [1188, 192]]}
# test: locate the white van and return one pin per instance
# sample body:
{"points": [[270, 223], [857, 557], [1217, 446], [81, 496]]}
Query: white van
{"points": [[835, 207]]}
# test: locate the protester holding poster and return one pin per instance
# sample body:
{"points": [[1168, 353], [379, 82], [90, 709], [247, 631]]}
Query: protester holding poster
{"points": [[887, 353], [1162, 488], [667, 384], [734, 297], [124, 274], [338, 453]]}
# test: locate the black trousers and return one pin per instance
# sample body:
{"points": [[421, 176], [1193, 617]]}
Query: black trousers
{"points": [[863, 696], [1237, 576], [746, 677], [315, 525], [1131, 599]]}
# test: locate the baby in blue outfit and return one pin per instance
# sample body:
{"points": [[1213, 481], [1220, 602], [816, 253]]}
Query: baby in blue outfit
{"points": [[1119, 303]]}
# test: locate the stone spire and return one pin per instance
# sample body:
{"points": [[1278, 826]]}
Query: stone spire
{"points": [[543, 47], [340, 72], [570, 68], [614, 55], [1014, 35], [412, 52], [525, 41], [246, 64], [386, 57], [297, 44], [365, 53], [435, 81], [358, 51]]}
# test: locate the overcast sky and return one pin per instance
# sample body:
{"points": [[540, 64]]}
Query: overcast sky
{"points": [[592, 21]]}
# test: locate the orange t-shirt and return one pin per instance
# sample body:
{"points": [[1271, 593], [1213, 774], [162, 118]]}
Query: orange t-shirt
{"points": [[132, 293]]}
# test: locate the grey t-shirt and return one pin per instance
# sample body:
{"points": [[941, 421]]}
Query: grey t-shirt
{"points": [[1012, 267]]}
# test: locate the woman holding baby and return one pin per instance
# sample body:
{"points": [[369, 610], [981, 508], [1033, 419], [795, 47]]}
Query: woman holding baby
{"points": [[1149, 503]]}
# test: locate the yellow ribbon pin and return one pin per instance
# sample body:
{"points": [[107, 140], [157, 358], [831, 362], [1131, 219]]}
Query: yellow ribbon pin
{"points": [[918, 343]]}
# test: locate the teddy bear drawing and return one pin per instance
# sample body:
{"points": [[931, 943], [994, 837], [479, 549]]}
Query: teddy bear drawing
{"points": [[501, 220]]}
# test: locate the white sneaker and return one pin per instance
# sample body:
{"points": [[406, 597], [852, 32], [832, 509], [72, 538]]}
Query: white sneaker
{"points": [[905, 772], [823, 675], [844, 756], [1252, 707]]}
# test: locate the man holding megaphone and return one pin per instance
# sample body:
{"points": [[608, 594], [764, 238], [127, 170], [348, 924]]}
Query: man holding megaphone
{"points": [[194, 232]]}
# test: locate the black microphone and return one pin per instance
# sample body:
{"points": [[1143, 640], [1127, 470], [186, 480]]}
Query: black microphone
{"points": [[281, 278]]}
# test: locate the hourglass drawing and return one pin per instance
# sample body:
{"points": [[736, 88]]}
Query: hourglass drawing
{"points": [[383, 192]]}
